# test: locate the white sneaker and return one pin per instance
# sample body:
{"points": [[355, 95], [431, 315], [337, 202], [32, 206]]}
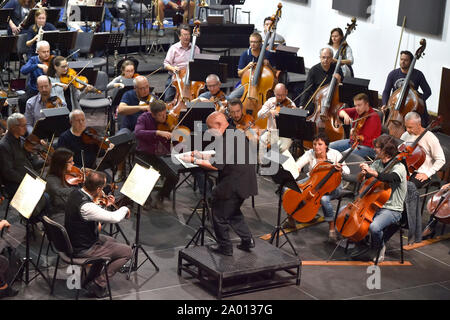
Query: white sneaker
{"points": [[381, 256]]}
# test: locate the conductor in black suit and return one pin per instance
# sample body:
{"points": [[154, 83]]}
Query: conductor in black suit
{"points": [[235, 161]]}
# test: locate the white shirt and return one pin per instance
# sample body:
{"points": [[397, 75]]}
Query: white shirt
{"points": [[309, 159], [92, 212], [435, 158], [264, 112]]}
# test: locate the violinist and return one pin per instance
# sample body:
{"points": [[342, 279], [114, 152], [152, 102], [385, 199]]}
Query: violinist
{"points": [[34, 33], [177, 58], [21, 8], [14, 158], [33, 110], [58, 71], [367, 127], [152, 143], [214, 93], [322, 152], [248, 60], [270, 110], [396, 78], [134, 103], [72, 139], [435, 158], [82, 215], [36, 66], [128, 73], [57, 188], [335, 41], [392, 210], [316, 74]]}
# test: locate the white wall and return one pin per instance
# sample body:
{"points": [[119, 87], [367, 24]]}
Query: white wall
{"points": [[374, 42]]}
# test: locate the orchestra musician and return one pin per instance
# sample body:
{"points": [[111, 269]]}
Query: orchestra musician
{"points": [[334, 44], [177, 58], [21, 8], [130, 11], [154, 142], [82, 215], [396, 78], [435, 158], [34, 31], [366, 132], [270, 111], [35, 104], [175, 5], [6, 290], [279, 39], [128, 72], [214, 93], [237, 181], [321, 152], [36, 66], [317, 74], [134, 103], [392, 210], [248, 60]]}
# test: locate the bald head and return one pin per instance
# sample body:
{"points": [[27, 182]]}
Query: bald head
{"points": [[142, 87], [44, 86], [217, 121], [280, 92]]}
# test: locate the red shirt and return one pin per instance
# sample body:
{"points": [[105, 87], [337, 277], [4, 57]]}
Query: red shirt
{"points": [[371, 128]]}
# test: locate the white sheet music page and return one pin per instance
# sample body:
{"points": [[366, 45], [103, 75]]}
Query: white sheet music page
{"points": [[28, 195], [140, 183]]}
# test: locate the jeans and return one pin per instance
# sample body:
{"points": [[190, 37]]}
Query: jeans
{"points": [[170, 93], [236, 93], [325, 201], [362, 151], [382, 219]]}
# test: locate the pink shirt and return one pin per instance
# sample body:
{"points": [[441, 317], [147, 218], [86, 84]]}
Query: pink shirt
{"points": [[177, 56]]}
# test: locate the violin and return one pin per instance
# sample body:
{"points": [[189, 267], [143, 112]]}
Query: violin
{"points": [[251, 130], [359, 125], [439, 206], [33, 145], [261, 80], [324, 178], [74, 177], [79, 82], [218, 100], [49, 60], [181, 132], [54, 102], [105, 201], [90, 136], [404, 100]]}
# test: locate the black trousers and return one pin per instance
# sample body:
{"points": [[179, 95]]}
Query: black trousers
{"points": [[227, 213], [171, 177], [4, 264]]}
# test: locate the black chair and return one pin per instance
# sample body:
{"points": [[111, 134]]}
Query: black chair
{"points": [[60, 241]]}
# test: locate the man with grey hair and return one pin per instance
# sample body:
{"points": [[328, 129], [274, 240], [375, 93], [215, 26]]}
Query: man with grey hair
{"points": [[214, 93], [323, 70], [435, 158], [36, 66]]}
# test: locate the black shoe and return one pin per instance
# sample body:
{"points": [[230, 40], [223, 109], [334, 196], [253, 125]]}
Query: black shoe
{"points": [[95, 290], [246, 245], [221, 250], [359, 251], [8, 292]]}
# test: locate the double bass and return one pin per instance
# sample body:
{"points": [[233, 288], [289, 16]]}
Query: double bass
{"points": [[404, 99], [327, 102], [324, 178], [260, 80]]}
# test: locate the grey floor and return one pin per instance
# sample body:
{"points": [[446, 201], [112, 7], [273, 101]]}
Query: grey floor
{"points": [[165, 232]]}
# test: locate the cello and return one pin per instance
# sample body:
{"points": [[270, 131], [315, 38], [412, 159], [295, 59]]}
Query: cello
{"points": [[324, 178], [438, 205], [327, 99], [187, 90], [404, 99], [260, 81]]}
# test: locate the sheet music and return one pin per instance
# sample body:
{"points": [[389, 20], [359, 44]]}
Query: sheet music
{"points": [[290, 165], [28, 195], [140, 183], [189, 165]]}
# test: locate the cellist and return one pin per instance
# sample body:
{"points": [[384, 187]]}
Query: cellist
{"points": [[316, 75], [177, 58], [367, 127], [321, 152], [435, 157], [395, 80], [391, 212]]}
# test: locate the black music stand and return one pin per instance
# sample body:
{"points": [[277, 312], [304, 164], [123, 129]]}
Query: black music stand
{"points": [[351, 87], [8, 45], [292, 124], [56, 121], [56, 3], [204, 65], [233, 3], [90, 14], [63, 41], [286, 59], [196, 114], [283, 179], [137, 245], [4, 17]]}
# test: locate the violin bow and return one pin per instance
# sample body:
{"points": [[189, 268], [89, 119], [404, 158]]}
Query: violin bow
{"points": [[104, 139], [315, 92], [46, 155], [73, 79], [71, 54]]}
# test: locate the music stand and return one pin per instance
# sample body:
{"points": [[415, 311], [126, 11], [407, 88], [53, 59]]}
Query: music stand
{"points": [[56, 3], [204, 65], [198, 112], [63, 41], [233, 3], [283, 179], [351, 87], [56, 121], [91, 14], [286, 59], [9, 45], [4, 17]]}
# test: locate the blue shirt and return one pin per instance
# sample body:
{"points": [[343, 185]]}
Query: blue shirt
{"points": [[31, 34], [131, 99], [247, 57], [31, 68]]}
